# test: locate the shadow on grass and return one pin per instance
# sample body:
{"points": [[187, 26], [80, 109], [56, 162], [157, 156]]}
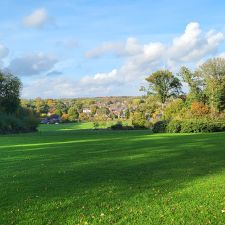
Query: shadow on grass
{"points": [[86, 168]]}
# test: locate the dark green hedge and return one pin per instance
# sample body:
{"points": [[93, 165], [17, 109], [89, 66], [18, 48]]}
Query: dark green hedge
{"points": [[21, 121], [160, 126], [195, 126]]}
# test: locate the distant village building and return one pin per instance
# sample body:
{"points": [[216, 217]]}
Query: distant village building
{"points": [[86, 110]]}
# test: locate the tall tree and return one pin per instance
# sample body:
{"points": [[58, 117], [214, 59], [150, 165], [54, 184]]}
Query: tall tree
{"points": [[10, 87], [194, 84], [73, 113], [212, 73], [163, 84]]}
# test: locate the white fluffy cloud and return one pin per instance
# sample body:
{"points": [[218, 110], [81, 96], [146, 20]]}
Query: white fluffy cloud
{"points": [[38, 18], [194, 44], [130, 47], [32, 64], [139, 60]]}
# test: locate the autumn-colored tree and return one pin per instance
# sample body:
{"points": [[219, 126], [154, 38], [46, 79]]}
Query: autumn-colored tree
{"points": [[51, 102], [65, 117], [83, 116], [199, 109]]}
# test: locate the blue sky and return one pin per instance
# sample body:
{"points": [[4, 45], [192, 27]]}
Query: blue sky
{"points": [[97, 48]]}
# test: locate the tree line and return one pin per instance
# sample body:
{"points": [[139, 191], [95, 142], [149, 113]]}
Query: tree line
{"points": [[165, 106], [201, 108]]}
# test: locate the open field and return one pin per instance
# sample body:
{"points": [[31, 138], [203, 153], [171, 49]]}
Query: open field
{"points": [[66, 175]]}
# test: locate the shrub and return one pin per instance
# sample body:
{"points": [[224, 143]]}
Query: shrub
{"points": [[96, 124], [202, 125], [138, 120], [173, 109], [195, 126], [148, 125], [174, 126], [65, 117], [21, 121], [119, 126], [199, 109], [160, 126]]}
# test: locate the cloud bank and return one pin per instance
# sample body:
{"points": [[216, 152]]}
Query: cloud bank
{"points": [[139, 60]]}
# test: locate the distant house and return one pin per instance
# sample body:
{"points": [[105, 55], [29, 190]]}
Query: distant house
{"points": [[86, 110]]}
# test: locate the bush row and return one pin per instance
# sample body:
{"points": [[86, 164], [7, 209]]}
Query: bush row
{"points": [[19, 122], [120, 126], [189, 126]]}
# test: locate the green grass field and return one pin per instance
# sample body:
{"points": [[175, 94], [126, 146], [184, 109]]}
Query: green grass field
{"points": [[68, 175]]}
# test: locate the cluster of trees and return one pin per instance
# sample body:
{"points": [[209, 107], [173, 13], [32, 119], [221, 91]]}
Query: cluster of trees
{"points": [[13, 117], [202, 108]]}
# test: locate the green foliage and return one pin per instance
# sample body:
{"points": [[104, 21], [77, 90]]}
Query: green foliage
{"points": [[195, 126], [73, 114], [127, 114], [13, 117], [212, 73], [138, 119], [163, 84], [174, 126], [120, 126], [93, 109], [96, 124], [21, 121], [194, 84], [83, 117], [117, 126], [9, 92], [173, 109], [160, 126], [41, 106]]}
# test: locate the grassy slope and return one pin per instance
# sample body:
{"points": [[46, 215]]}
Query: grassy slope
{"points": [[108, 177]]}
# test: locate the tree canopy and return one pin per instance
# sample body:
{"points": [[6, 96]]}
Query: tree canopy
{"points": [[10, 87], [163, 84]]}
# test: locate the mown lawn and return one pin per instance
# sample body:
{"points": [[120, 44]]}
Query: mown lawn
{"points": [[73, 176]]}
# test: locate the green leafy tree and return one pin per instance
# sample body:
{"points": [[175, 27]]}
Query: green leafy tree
{"points": [[41, 105], [61, 107], [194, 84], [138, 119], [127, 113], [73, 114], [93, 109], [164, 85], [10, 87], [83, 117], [173, 109], [212, 74]]}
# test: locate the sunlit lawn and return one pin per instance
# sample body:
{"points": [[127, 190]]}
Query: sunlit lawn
{"points": [[66, 175]]}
